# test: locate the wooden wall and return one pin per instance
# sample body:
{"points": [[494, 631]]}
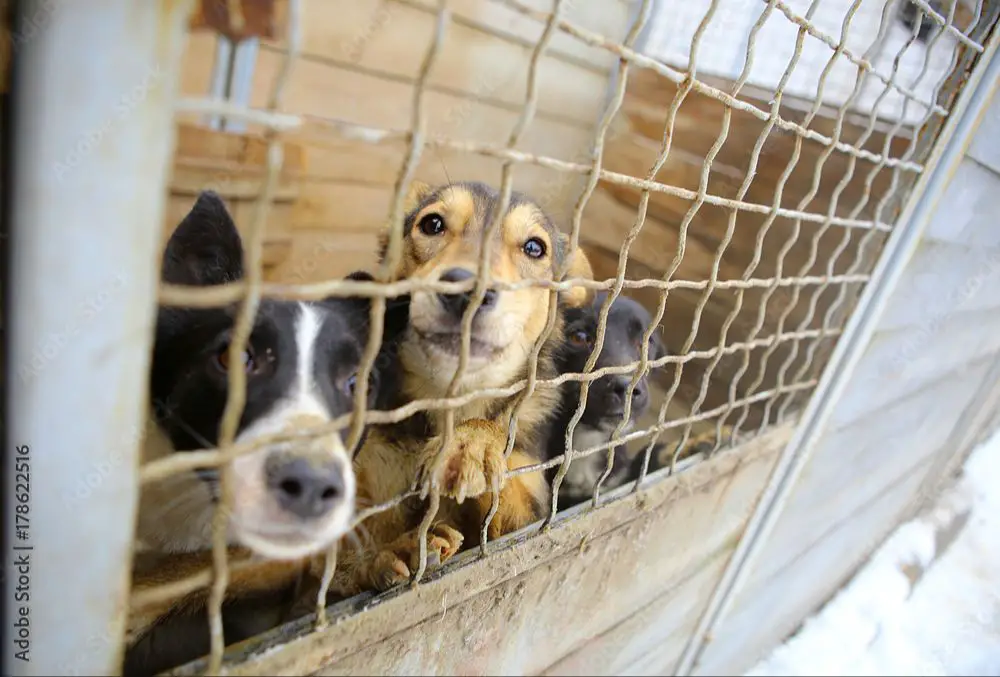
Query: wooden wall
{"points": [[789, 247], [926, 389], [359, 64], [617, 591]]}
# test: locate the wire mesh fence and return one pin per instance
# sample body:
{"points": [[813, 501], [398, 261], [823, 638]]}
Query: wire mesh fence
{"points": [[811, 213]]}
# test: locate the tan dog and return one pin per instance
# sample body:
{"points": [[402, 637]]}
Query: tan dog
{"points": [[441, 242]]}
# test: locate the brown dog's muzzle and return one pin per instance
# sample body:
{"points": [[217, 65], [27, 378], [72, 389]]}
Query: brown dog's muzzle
{"points": [[456, 304]]}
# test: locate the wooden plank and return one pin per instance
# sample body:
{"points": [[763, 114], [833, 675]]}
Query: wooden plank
{"points": [[700, 120], [765, 615], [968, 432], [391, 38], [362, 31], [318, 90], [326, 254], [900, 362], [233, 166], [941, 279], [985, 146], [650, 641], [506, 613], [966, 214], [855, 464]]}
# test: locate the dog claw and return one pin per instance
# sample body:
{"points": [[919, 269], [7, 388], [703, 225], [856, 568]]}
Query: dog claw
{"points": [[472, 462], [401, 569]]}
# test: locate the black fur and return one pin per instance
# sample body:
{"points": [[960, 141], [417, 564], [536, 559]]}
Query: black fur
{"points": [[909, 14], [189, 391], [188, 388], [181, 638], [627, 322]]}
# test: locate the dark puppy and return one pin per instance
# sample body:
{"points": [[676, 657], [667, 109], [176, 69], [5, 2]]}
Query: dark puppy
{"points": [[292, 499], [627, 321]]}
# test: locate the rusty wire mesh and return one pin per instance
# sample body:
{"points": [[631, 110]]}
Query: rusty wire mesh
{"points": [[807, 342]]}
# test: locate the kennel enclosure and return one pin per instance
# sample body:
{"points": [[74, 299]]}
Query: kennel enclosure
{"points": [[812, 223]]}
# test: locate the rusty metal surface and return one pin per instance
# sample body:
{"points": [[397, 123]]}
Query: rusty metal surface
{"points": [[239, 19]]}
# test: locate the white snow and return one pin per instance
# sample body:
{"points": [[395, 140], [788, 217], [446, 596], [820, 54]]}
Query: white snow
{"points": [[948, 624]]}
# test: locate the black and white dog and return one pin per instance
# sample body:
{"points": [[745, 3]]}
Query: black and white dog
{"points": [[301, 362], [627, 322], [292, 499]]}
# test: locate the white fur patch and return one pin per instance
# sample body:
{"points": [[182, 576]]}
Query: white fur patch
{"points": [[176, 513], [584, 472]]}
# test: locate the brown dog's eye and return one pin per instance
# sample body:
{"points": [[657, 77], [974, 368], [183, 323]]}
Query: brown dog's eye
{"points": [[579, 338], [534, 248], [432, 224], [249, 362]]}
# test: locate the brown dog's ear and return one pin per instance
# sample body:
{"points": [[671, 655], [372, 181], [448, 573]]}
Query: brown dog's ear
{"points": [[415, 195], [579, 267]]}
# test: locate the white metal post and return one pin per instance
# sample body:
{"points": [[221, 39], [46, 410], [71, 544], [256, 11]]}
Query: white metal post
{"points": [[95, 83]]}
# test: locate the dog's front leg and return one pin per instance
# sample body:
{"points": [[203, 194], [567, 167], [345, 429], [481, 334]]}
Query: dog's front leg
{"points": [[392, 564], [470, 466]]}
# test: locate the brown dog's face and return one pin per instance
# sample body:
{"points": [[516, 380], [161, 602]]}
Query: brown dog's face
{"points": [[442, 234]]}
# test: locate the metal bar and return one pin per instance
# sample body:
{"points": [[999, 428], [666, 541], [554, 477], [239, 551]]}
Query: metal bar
{"points": [[93, 148], [899, 248], [219, 84], [241, 80]]}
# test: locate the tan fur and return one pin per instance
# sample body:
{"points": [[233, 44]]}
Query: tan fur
{"points": [[248, 574], [394, 456]]}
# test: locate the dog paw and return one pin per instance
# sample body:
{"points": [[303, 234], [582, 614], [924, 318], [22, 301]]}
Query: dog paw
{"points": [[396, 563], [470, 464], [388, 571], [708, 441]]}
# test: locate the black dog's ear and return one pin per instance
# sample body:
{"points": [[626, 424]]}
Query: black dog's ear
{"points": [[397, 309], [361, 276], [657, 348], [363, 303], [205, 249]]}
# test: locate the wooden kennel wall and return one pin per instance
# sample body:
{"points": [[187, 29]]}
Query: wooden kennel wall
{"points": [[699, 572]]}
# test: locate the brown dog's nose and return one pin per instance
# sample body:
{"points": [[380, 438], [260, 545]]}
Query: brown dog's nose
{"points": [[305, 489], [457, 303]]}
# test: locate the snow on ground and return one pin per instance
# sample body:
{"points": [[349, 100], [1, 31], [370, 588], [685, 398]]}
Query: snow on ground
{"points": [[949, 624]]}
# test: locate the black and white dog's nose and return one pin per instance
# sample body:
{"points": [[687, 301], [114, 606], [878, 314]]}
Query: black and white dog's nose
{"points": [[305, 489]]}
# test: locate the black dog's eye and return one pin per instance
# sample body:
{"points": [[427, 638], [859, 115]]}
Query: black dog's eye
{"points": [[432, 224], [580, 338], [351, 384], [534, 248], [249, 360]]}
